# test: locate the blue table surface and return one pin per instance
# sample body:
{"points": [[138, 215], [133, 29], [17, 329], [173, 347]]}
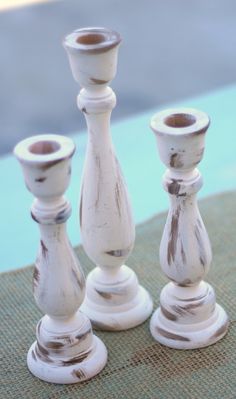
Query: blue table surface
{"points": [[136, 149]]}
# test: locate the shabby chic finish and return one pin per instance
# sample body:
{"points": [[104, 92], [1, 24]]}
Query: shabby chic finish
{"points": [[114, 299], [66, 351], [188, 316]]}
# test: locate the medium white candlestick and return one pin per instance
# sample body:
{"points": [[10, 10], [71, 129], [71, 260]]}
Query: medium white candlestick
{"points": [[188, 316]]}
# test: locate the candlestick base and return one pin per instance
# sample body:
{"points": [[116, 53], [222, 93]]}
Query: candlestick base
{"points": [[188, 322], [66, 351], [116, 305], [78, 371]]}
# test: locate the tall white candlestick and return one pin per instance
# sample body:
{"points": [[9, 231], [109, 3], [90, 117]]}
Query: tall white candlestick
{"points": [[114, 299]]}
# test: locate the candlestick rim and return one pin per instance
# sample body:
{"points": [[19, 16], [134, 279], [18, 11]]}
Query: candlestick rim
{"points": [[194, 122], [106, 40], [59, 148]]}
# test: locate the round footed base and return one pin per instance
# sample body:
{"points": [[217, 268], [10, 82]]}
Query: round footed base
{"points": [[121, 317], [58, 373], [189, 336]]}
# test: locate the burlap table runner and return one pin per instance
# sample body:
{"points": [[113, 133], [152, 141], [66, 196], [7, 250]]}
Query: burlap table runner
{"points": [[138, 367]]}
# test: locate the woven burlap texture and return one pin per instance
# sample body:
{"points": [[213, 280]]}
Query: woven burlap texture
{"points": [[138, 367]]}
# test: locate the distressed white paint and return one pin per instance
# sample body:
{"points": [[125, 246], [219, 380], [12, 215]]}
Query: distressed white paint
{"points": [[114, 299], [188, 316], [66, 351]]}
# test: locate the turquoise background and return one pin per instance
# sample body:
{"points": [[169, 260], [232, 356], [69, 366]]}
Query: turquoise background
{"points": [[137, 152]]}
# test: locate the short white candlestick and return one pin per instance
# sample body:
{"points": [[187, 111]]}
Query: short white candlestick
{"points": [[66, 351]]}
